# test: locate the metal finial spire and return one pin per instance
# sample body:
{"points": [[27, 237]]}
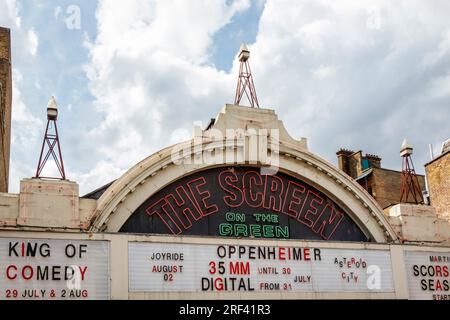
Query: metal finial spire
{"points": [[245, 79], [51, 140], [410, 188]]}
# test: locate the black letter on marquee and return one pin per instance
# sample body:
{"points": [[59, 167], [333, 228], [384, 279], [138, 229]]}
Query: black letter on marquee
{"points": [[12, 249]]}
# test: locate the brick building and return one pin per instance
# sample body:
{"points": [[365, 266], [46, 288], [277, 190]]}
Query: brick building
{"points": [[438, 173], [5, 106], [382, 184]]}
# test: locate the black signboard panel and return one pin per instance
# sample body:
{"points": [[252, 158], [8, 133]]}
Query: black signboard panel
{"points": [[241, 202]]}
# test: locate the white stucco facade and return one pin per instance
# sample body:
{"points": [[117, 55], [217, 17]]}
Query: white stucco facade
{"points": [[53, 209]]}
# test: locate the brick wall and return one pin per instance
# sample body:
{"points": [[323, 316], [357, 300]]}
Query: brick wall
{"points": [[386, 186], [438, 175], [5, 106]]}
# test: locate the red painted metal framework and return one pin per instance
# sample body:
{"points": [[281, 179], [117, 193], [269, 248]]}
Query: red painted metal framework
{"points": [[409, 182], [245, 84], [51, 139]]}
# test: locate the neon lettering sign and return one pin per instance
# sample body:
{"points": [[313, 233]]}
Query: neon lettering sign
{"points": [[242, 202]]}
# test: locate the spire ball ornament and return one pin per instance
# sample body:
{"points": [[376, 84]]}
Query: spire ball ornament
{"points": [[244, 53], [406, 149], [52, 109]]}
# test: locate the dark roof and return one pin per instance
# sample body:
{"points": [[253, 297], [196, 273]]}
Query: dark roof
{"points": [[367, 172], [97, 193], [364, 174], [210, 124]]}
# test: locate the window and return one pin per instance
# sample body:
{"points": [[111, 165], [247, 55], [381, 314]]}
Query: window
{"points": [[365, 164]]}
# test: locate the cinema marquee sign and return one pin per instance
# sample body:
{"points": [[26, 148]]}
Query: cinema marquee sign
{"points": [[428, 275], [53, 269], [242, 202], [158, 267]]}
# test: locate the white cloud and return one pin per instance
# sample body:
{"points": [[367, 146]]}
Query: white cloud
{"points": [[21, 113], [346, 73], [103, 173], [374, 19], [439, 87], [312, 34], [33, 41], [355, 74], [57, 12], [18, 169], [437, 53], [9, 13], [149, 73], [25, 40], [324, 71], [25, 132], [25, 128], [380, 80]]}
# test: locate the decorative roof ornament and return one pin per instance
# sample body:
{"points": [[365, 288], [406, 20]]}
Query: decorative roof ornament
{"points": [[410, 188], [245, 82], [51, 141]]}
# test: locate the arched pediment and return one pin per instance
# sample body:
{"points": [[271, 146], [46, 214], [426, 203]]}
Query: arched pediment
{"points": [[129, 193]]}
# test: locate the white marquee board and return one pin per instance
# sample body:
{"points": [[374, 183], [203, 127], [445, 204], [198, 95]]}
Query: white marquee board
{"points": [[158, 267], [53, 269], [428, 275]]}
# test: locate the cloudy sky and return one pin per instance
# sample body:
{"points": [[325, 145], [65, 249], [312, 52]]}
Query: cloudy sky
{"points": [[131, 77]]}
